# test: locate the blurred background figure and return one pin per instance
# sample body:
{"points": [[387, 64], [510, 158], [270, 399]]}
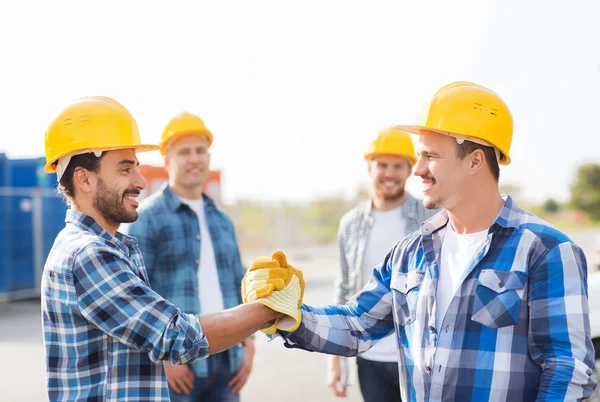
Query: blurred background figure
{"points": [[192, 257], [366, 234]]}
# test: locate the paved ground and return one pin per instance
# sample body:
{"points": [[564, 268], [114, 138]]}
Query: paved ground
{"points": [[291, 375]]}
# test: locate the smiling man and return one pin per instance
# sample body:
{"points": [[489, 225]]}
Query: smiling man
{"points": [[192, 257], [487, 302], [106, 332]]}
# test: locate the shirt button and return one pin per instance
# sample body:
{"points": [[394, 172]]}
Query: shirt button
{"points": [[431, 328], [197, 262], [428, 369], [197, 237], [500, 284]]}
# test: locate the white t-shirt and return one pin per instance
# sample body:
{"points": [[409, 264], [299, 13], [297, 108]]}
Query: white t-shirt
{"points": [[389, 227], [457, 252], [209, 287]]}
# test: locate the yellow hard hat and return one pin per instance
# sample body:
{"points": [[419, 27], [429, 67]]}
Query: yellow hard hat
{"points": [[91, 124], [470, 112], [392, 141], [183, 124]]}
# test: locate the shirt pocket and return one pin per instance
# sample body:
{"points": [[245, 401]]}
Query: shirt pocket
{"points": [[405, 292], [498, 297]]}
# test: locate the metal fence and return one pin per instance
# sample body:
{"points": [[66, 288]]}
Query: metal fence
{"points": [[30, 219]]}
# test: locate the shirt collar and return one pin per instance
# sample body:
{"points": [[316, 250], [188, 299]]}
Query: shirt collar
{"points": [[407, 208], [88, 223], [509, 217], [174, 203]]}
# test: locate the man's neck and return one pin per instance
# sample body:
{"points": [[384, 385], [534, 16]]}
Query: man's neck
{"points": [[92, 213], [193, 193], [476, 213], [380, 204]]}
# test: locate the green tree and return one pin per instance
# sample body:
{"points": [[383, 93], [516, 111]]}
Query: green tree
{"points": [[585, 191], [551, 206], [321, 219]]}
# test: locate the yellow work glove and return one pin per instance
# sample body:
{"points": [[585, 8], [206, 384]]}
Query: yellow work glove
{"points": [[277, 285]]}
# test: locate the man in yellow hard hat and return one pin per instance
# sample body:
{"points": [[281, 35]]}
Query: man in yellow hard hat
{"points": [[487, 301], [366, 234], [200, 268], [106, 332]]}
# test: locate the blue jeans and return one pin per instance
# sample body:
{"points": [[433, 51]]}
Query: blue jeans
{"points": [[379, 381], [211, 388]]}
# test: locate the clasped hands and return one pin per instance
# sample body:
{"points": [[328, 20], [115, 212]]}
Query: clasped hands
{"points": [[277, 285]]}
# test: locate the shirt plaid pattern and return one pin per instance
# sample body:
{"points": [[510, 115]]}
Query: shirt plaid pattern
{"points": [[353, 236], [168, 234], [105, 331], [516, 330]]}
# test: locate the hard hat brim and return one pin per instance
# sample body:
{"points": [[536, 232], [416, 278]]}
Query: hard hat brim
{"points": [[369, 155], [51, 168], [173, 137], [416, 130]]}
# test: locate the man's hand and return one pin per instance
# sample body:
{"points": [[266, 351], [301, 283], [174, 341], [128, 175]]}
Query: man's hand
{"points": [[180, 378], [239, 379], [277, 285], [334, 377]]}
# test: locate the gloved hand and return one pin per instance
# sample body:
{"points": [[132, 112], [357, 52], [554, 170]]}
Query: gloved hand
{"points": [[277, 285]]}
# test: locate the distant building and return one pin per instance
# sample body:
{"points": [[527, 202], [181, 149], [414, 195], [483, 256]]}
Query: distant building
{"points": [[156, 176]]}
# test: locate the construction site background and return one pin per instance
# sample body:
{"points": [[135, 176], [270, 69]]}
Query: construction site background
{"points": [[261, 225]]}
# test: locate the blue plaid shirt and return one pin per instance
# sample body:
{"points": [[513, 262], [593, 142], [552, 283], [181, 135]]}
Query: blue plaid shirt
{"points": [[517, 329], [105, 331], [168, 233]]}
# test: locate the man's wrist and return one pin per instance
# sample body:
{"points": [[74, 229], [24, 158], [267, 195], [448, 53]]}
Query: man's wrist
{"points": [[271, 315]]}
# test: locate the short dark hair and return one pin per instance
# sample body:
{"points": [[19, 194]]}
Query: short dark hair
{"points": [[88, 161], [467, 147]]}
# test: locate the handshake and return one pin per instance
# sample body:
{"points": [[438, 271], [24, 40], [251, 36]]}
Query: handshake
{"points": [[277, 285]]}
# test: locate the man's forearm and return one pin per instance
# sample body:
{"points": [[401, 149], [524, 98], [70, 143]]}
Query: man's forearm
{"points": [[229, 327]]}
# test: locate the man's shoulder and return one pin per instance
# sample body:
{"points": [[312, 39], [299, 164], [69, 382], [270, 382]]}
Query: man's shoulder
{"points": [[544, 232], [216, 211], [75, 238], [408, 253], [73, 244], [526, 230], [412, 241], [154, 210], [354, 214], [152, 203]]}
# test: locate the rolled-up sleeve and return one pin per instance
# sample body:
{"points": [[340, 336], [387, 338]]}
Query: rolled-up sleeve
{"points": [[117, 302]]}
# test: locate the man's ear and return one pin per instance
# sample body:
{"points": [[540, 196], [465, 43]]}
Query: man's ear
{"points": [[83, 180], [477, 160]]}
